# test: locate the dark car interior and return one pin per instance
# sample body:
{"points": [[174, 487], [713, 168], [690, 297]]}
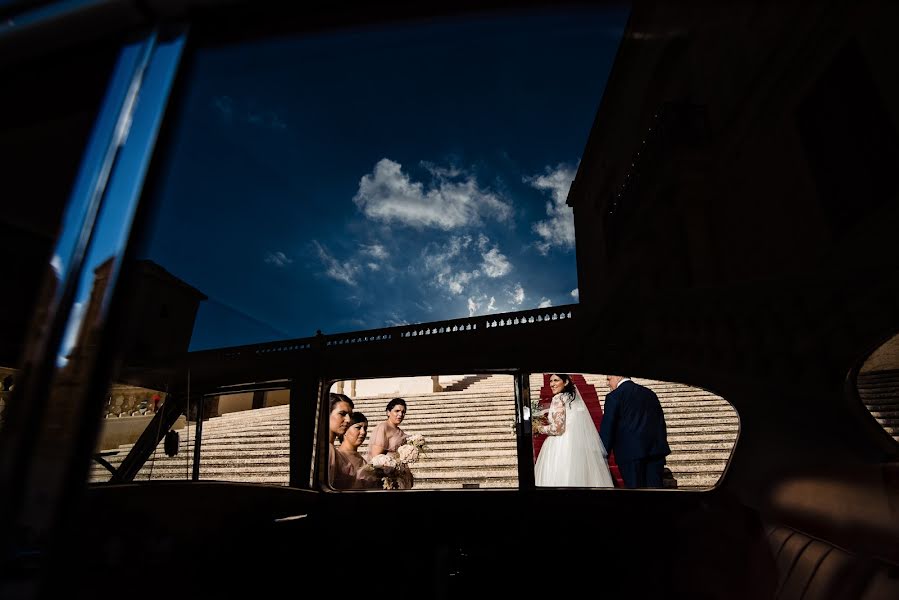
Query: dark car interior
{"points": [[735, 208]]}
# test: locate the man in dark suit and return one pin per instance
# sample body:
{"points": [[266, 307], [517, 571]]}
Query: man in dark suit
{"points": [[633, 426]]}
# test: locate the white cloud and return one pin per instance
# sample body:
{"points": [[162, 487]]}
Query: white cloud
{"points": [[374, 266], [456, 282], [439, 172], [558, 229], [479, 301], [279, 259], [516, 294], [375, 251], [438, 258], [575, 293], [495, 263], [395, 320], [473, 307], [345, 272], [449, 266], [457, 264], [389, 195], [545, 303]]}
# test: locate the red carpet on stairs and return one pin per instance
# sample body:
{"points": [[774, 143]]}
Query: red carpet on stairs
{"points": [[591, 399]]}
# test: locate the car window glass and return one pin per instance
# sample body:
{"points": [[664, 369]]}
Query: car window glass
{"points": [[878, 386], [42, 140], [687, 432], [458, 431]]}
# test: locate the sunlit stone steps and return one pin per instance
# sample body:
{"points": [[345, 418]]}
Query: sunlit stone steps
{"points": [[696, 481], [493, 482], [699, 445], [469, 432], [879, 391], [462, 383], [497, 444], [437, 420]]}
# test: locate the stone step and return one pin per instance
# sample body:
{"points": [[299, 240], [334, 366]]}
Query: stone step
{"points": [[880, 373], [445, 438], [697, 481], [438, 483], [881, 391], [464, 471], [471, 401], [887, 408], [719, 451], [704, 429], [236, 478], [255, 454], [382, 401], [688, 462], [692, 457], [887, 401], [685, 481], [471, 408], [423, 427], [223, 472], [441, 435], [423, 423], [885, 414], [435, 443]]}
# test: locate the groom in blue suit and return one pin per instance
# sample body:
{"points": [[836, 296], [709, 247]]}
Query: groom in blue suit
{"points": [[633, 425]]}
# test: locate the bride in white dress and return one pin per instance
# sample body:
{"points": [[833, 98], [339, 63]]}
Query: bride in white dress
{"points": [[573, 454]]}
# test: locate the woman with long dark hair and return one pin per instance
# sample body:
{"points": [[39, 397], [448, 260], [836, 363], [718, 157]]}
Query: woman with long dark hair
{"points": [[340, 410], [573, 454]]}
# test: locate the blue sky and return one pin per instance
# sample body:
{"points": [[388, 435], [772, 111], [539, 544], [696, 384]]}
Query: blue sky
{"points": [[378, 177]]}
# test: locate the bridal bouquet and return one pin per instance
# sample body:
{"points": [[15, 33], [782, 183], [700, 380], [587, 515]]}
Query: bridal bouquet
{"points": [[539, 415], [393, 467]]}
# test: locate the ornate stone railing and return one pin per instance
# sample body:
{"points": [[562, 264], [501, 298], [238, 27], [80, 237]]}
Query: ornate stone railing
{"points": [[455, 326], [534, 317]]}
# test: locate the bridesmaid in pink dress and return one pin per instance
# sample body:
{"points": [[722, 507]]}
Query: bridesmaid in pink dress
{"points": [[349, 470], [388, 436], [340, 411]]}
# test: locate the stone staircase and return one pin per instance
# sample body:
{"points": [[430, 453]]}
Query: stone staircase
{"points": [[247, 446], [463, 383], [469, 434], [879, 391]]}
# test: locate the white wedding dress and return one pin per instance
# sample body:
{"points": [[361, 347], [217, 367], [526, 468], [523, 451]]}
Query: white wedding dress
{"points": [[572, 454]]}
